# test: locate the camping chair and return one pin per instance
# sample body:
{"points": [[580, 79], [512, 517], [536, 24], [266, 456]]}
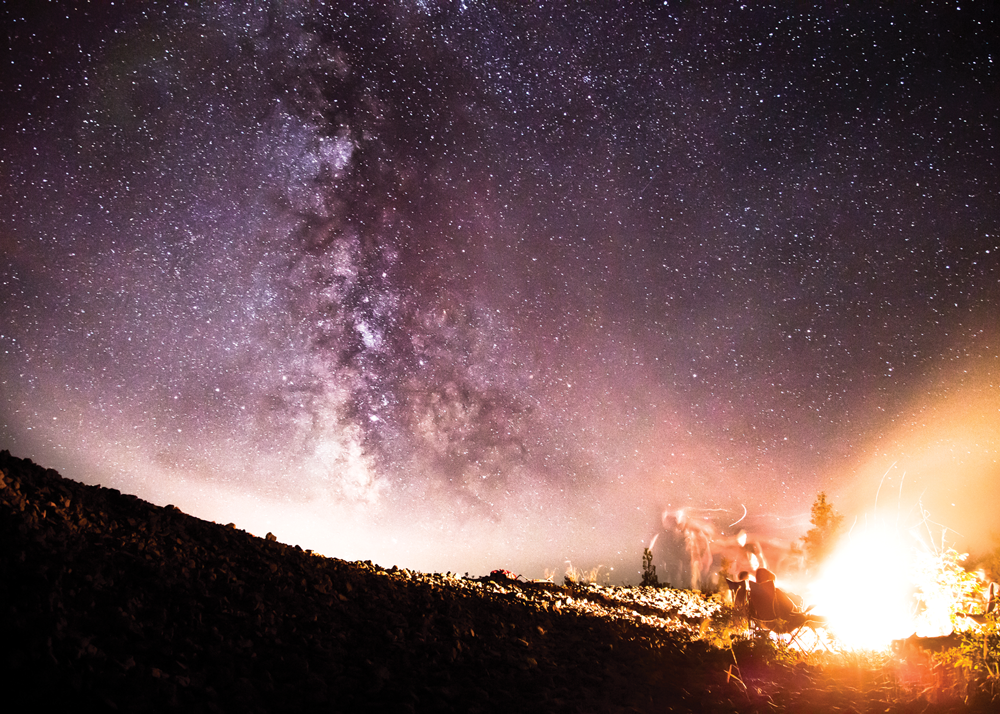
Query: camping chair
{"points": [[772, 609]]}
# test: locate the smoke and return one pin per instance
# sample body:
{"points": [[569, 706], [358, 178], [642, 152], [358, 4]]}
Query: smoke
{"points": [[939, 459]]}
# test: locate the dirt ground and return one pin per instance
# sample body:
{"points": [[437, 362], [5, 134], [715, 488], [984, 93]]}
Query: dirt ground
{"points": [[108, 603]]}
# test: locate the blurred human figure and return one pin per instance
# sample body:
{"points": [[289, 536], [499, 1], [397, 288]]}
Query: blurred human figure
{"points": [[739, 553], [696, 535]]}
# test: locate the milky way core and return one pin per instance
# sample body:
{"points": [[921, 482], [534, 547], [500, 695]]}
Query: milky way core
{"points": [[475, 285]]}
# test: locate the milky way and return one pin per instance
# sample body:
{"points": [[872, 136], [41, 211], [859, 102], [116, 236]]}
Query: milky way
{"points": [[460, 286]]}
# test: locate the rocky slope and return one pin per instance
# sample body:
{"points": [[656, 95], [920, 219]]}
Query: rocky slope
{"points": [[110, 603]]}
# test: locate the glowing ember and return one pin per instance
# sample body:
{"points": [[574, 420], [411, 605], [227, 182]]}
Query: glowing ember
{"points": [[881, 585]]}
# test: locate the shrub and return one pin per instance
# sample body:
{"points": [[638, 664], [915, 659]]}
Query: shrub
{"points": [[977, 656], [821, 538], [649, 570]]}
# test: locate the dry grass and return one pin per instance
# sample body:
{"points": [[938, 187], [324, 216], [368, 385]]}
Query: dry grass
{"points": [[581, 576]]}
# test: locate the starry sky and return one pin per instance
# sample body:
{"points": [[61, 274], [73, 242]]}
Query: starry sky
{"points": [[470, 285]]}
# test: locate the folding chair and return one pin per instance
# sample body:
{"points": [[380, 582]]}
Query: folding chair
{"points": [[771, 608]]}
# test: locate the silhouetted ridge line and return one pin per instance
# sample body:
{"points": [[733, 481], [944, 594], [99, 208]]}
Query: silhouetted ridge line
{"points": [[112, 603]]}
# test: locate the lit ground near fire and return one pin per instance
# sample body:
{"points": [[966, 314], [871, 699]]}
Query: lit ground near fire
{"points": [[110, 603]]}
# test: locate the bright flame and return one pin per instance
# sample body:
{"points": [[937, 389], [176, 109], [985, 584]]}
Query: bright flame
{"points": [[864, 590], [881, 585]]}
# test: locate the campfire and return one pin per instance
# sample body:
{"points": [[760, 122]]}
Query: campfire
{"points": [[913, 592], [866, 588], [882, 589], [897, 602], [883, 585]]}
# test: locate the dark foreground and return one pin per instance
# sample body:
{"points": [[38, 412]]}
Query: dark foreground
{"points": [[110, 603]]}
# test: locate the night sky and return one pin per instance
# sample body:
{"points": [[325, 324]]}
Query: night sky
{"points": [[475, 285]]}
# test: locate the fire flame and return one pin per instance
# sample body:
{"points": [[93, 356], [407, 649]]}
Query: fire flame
{"points": [[881, 585]]}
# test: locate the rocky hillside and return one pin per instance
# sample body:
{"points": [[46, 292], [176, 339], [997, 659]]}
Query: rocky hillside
{"points": [[110, 603]]}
